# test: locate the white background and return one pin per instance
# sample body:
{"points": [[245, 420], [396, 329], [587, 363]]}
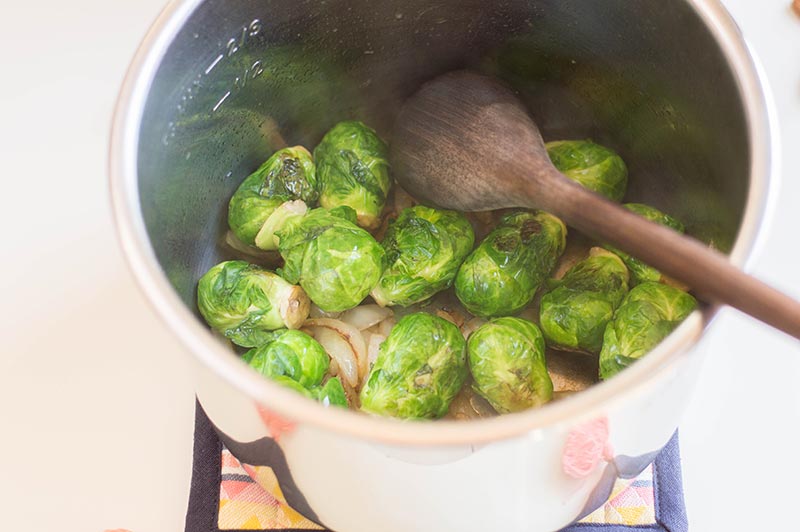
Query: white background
{"points": [[96, 406]]}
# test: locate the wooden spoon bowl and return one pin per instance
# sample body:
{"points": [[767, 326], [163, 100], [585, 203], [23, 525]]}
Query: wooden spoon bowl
{"points": [[465, 142]]}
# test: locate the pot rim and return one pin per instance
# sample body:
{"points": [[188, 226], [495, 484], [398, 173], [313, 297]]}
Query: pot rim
{"points": [[667, 358]]}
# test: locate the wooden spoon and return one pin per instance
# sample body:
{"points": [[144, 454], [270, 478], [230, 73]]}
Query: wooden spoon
{"points": [[465, 142]]}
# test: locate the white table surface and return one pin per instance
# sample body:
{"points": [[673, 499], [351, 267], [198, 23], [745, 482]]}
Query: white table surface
{"points": [[96, 409]]}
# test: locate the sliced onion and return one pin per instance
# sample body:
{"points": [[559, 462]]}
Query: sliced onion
{"points": [[333, 369], [317, 312], [365, 316], [351, 336], [402, 199], [453, 316], [385, 327], [373, 346], [340, 351], [353, 399], [470, 326]]}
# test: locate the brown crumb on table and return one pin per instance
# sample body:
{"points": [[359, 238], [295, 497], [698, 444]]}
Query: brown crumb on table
{"points": [[796, 7]]}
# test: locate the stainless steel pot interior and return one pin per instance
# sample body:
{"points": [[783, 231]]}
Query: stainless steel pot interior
{"points": [[219, 85]]}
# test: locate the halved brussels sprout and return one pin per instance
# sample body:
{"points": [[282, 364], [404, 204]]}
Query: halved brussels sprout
{"points": [[420, 368], [592, 165], [507, 362], [289, 174], [641, 272], [424, 248], [576, 309], [501, 276], [646, 316], [245, 302], [334, 260], [353, 170]]}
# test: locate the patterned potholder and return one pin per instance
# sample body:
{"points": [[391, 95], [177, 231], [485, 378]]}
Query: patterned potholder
{"points": [[229, 495]]}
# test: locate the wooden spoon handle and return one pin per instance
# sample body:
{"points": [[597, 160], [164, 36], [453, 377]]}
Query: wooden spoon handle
{"points": [[707, 272]]}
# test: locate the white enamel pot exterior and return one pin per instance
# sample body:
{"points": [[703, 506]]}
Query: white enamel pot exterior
{"points": [[218, 85]]}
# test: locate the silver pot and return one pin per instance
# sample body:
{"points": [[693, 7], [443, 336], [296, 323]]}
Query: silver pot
{"points": [[218, 85]]}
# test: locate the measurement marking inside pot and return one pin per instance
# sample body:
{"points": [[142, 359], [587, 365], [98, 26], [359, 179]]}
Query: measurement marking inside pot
{"points": [[220, 101], [214, 63], [244, 38]]}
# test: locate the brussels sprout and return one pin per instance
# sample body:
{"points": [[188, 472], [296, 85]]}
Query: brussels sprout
{"points": [[283, 380], [292, 353], [576, 309], [424, 248], [506, 359], [641, 272], [646, 316], [296, 360], [245, 302], [420, 368], [334, 260], [353, 170], [331, 393], [501, 276], [289, 174], [593, 166]]}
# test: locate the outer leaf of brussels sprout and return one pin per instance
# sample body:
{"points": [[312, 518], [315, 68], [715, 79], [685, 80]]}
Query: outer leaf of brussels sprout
{"points": [[334, 260], [506, 359], [502, 274], [283, 380], [420, 368], [592, 165], [641, 272], [353, 169], [245, 302], [289, 174], [424, 248], [646, 316], [331, 393], [575, 311], [292, 353]]}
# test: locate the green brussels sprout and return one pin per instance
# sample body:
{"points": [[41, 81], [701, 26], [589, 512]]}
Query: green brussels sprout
{"points": [[353, 170], [641, 272], [334, 260], [283, 380], [292, 353], [420, 368], [591, 165], [646, 316], [424, 248], [575, 311], [506, 359], [289, 174], [296, 360], [331, 393], [501, 276], [245, 302]]}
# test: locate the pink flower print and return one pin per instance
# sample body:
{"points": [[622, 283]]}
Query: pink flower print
{"points": [[276, 424], [586, 446]]}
